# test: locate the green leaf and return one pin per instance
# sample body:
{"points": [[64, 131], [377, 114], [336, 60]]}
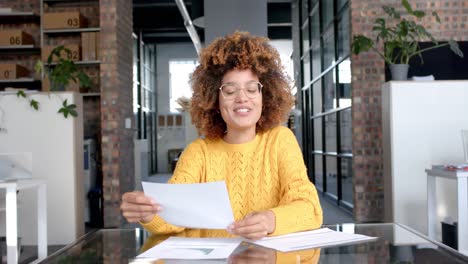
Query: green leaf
{"points": [[21, 93], [380, 26], [34, 104], [73, 113], [390, 49], [419, 14], [67, 109], [84, 80], [57, 52], [434, 14], [423, 32], [402, 28], [421, 58], [407, 6], [63, 111], [390, 11], [455, 48], [38, 67], [361, 44]]}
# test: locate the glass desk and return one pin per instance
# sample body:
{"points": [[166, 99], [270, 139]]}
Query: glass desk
{"points": [[396, 244]]}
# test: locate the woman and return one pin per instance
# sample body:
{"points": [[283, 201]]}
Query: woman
{"points": [[240, 97]]}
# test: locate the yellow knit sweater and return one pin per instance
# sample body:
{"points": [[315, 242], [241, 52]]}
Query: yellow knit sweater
{"points": [[266, 173]]}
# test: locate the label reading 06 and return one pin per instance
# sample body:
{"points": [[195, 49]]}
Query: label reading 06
{"points": [[6, 74], [15, 40]]}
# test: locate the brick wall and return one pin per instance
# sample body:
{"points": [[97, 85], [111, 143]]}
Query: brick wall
{"points": [[368, 75], [116, 105]]}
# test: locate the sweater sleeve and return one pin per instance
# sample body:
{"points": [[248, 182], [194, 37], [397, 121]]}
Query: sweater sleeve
{"points": [[189, 169], [299, 207]]}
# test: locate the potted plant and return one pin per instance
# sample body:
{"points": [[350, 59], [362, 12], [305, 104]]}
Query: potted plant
{"points": [[400, 38], [60, 70]]}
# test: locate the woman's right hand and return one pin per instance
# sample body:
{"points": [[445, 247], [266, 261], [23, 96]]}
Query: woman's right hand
{"points": [[136, 207]]}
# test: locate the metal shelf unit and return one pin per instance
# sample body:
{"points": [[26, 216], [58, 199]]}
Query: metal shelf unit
{"points": [[75, 30], [19, 80]]}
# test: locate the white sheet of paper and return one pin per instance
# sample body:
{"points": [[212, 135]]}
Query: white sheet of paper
{"points": [[192, 248], [323, 237], [200, 205]]}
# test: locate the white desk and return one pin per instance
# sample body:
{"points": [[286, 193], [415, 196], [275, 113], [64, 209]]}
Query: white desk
{"points": [[12, 217], [462, 204]]}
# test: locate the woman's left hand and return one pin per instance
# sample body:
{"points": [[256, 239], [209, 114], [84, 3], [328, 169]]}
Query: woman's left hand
{"points": [[255, 225]]}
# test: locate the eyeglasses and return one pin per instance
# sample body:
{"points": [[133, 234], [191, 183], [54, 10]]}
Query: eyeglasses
{"points": [[231, 90]]}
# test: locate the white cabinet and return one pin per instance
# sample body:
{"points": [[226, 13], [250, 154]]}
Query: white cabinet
{"points": [[56, 145], [421, 126]]}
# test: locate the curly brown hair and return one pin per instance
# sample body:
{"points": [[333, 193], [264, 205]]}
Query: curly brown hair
{"points": [[240, 51]]}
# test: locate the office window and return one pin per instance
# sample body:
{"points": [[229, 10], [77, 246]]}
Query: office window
{"points": [[306, 78], [332, 176], [330, 133], [328, 47], [304, 11], [317, 102], [305, 38], [329, 92], [341, 3], [316, 44], [326, 84], [179, 71], [144, 97], [318, 134], [344, 83], [346, 130], [347, 181], [318, 170], [327, 13], [343, 34]]}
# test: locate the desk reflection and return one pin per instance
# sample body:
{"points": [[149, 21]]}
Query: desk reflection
{"points": [[246, 253], [396, 244]]}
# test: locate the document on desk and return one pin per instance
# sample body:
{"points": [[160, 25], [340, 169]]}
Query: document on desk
{"points": [[318, 238], [200, 205], [192, 248]]}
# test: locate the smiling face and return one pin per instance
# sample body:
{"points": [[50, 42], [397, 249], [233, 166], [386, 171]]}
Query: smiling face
{"points": [[242, 108]]}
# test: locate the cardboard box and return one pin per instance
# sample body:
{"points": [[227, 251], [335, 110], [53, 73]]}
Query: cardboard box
{"points": [[75, 54], [63, 20], [12, 71], [72, 86], [98, 40], [89, 46], [15, 38], [85, 54], [92, 46]]}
